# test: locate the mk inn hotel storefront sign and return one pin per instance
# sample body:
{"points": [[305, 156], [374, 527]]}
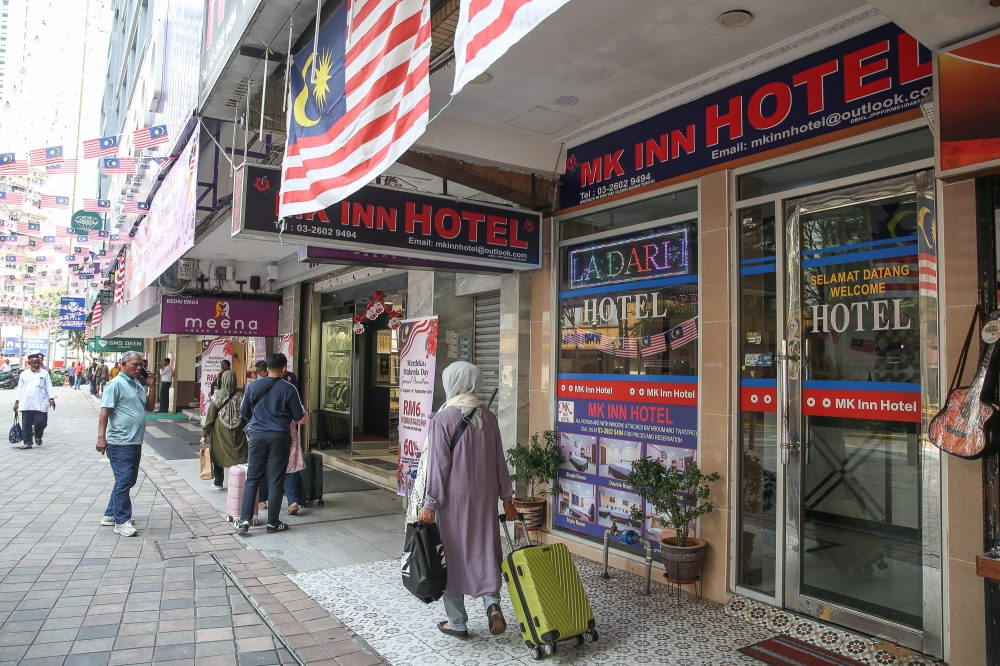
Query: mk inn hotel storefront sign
{"points": [[393, 221], [878, 74]]}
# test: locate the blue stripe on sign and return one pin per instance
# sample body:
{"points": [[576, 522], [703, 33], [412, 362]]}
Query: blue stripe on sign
{"points": [[583, 376], [908, 251], [755, 270], [821, 384], [619, 286], [858, 246], [772, 383], [758, 260]]}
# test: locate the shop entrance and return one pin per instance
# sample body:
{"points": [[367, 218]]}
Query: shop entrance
{"points": [[838, 506]]}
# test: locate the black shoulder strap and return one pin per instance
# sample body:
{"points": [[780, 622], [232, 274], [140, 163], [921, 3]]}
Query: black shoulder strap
{"points": [[460, 430], [262, 394], [228, 400]]}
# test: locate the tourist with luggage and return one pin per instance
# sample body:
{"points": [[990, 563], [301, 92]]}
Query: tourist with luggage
{"points": [[120, 430], [223, 429], [270, 405], [34, 396], [466, 475]]}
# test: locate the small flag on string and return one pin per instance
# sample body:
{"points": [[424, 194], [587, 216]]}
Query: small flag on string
{"points": [[43, 259], [96, 205], [48, 240], [683, 334], [121, 238], [653, 344], [65, 167], [136, 207], [46, 156], [53, 201], [11, 166], [150, 136], [9, 198], [29, 227], [102, 147], [121, 165]]}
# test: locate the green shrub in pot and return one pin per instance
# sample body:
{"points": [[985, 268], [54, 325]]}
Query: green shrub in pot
{"points": [[672, 493], [533, 465]]}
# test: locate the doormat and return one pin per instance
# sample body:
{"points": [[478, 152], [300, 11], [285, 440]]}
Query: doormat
{"points": [[338, 482], [376, 462], [156, 416], [788, 651]]}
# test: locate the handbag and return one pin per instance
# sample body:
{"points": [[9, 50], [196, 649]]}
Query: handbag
{"points": [[205, 459], [423, 567], [15, 435]]}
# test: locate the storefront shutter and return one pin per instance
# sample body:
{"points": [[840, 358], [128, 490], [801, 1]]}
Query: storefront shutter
{"points": [[486, 349]]}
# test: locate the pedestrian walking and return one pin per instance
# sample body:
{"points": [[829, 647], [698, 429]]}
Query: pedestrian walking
{"points": [[78, 376], [269, 406], [93, 377], [166, 379], [463, 484], [34, 397], [120, 431], [104, 374], [6, 365], [223, 429]]}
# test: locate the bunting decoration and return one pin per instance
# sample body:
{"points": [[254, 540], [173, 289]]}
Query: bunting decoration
{"points": [[376, 306], [53, 201], [9, 198], [105, 146], [148, 137], [46, 156], [96, 205], [136, 207], [118, 165], [66, 167]]}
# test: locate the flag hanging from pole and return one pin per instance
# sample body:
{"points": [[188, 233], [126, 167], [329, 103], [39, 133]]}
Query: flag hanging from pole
{"points": [[95, 320], [361, 106], [488, 28]]}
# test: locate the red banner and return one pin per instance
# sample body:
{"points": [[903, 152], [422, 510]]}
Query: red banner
{"points": [[853, 404], [665, 393]]}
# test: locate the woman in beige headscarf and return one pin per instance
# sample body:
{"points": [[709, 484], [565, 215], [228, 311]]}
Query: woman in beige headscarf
{"points": [[225, 426]]}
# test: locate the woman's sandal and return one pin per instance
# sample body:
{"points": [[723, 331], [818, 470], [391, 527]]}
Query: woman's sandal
{"points": [[498, 624], [461, 635], [293, 509]]}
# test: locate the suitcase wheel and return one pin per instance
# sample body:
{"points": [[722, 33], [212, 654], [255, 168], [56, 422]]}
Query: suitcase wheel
{"points": [[549, 648], [577, 641], [320, 502], [536, 653], [590, 635]]}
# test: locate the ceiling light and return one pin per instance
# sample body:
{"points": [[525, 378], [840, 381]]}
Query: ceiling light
{"points": [[485, 77], [735, 18], [567, 100]]}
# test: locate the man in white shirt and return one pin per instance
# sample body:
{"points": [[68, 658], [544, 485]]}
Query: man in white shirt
{"points": [[34, 397], [166, 379], [6, 366]]}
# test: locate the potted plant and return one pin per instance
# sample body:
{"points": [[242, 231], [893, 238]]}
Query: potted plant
{"points": [[675, 498], [534, 465]]}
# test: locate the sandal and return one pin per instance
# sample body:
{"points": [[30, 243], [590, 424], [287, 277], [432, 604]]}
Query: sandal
{"points": [[461, 635], [23, 448], [262, 506], [293, 509], [498, 624]]}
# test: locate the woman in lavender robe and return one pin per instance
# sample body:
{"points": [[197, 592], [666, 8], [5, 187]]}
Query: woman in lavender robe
{"points": [[463, 486]]}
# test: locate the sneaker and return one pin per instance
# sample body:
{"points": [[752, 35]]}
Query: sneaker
{"points": [[108, 521], [243, 527], [125, 530], [280, 527]]}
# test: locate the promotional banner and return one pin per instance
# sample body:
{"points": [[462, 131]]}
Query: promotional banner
{"points": [[286, 346], [417, 361], [12, 346], [213, 352], [389, 220], [73, 313], [605, 423], [115, 345], [869, 77], [202, 315], [256, 351], [969, 107]]}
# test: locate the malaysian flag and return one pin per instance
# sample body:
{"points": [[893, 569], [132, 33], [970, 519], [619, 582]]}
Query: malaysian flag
{"points": [[11, 166], [46, 156], [120, 280], [48, 240], [123, 239], [102, 147], [122, 165], [95, 320], [627, 347], [862, 345], [653, 344], [927, 273], [488, 28], [28, 227], [683, 334], [136, 207], [53, 201], [364, 106], [96, 205], [574, 336], [66, 167], [147, 137], [43, 259], [9, 198], [606, 343]]}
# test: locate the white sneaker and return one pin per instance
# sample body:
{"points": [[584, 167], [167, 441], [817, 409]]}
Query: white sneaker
{"points": [[108, 521], [126, 530]]}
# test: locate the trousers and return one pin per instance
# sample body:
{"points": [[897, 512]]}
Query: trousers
{"points": [[266, 463], [33, 424], [454, 608], [294, 490], [164, 396], [125, 466]]}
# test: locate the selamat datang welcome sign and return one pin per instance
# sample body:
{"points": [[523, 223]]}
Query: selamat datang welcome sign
{"points": [[393, 221]]}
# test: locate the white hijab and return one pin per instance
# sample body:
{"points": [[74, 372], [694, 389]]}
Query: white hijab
{"points": [[462, 381]]}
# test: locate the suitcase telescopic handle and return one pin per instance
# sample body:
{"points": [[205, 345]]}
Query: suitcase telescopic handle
{"points": [[524, 528]]}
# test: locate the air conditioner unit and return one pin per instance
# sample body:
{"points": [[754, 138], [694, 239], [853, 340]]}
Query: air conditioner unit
{"points": [[187, 269]]}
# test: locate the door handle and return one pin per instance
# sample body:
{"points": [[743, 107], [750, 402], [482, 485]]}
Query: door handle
{"points": [[786, 442]]}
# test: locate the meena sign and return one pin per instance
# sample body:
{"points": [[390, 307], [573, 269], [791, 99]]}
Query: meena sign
{"points": [[874, 75], [392, 221], [203, 315]]}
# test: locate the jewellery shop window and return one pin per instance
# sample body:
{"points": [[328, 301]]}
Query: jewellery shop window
{"points": [[627, 385], [337, 357]]}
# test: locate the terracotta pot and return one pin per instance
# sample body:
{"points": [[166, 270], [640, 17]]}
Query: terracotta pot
{"points": [[682, 563], [533, 512]]}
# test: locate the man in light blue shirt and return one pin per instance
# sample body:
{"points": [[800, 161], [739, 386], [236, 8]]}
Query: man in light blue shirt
{"points": [[119, 434]]}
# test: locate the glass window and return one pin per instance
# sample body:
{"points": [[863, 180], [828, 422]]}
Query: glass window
{"points": [[871, 156], [647, 210], [337, 357]]}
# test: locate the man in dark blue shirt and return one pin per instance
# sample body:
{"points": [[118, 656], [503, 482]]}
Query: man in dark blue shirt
{"points": [[269, 405]]}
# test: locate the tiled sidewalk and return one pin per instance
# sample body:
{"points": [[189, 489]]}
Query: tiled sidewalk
{"points": [[74, 593]]}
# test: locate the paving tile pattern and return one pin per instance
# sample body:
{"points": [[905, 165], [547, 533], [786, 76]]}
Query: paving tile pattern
{"points": [[74, 593]]}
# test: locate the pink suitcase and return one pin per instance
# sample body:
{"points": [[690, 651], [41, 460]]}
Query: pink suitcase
{"points": [[234, 499]]}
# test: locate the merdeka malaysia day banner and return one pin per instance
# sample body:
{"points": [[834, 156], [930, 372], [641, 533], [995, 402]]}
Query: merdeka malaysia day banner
{"points": [[417, 361]]}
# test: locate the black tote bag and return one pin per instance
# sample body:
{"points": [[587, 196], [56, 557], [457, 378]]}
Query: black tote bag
{"points": [[425, 573]]}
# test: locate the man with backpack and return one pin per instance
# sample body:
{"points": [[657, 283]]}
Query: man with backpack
{"points": [[269, 406]]}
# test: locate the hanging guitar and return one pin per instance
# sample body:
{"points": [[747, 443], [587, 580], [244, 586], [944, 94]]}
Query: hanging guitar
{"points": [[966, 426]]}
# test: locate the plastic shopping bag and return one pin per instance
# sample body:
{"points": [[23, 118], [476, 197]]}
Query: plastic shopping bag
{"points": [[425, 572]]}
